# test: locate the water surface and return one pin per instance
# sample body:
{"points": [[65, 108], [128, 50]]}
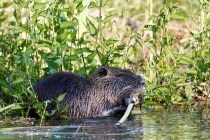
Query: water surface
{"points": [[153, 124]]}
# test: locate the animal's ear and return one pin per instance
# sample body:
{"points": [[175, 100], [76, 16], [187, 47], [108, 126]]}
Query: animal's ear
{"points": [[102, 72]]}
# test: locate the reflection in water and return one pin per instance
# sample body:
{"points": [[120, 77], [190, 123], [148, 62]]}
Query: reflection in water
{"points": [[149, 125], [174, 125], [100, 128]]}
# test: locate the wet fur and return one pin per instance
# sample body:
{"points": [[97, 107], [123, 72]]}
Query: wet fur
{"points": [[90, 97]]}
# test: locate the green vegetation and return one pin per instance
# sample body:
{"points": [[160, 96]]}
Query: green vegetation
{"points": [[167, 42]]}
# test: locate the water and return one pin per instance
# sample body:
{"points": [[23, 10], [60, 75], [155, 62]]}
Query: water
{"points": [[159, 124]]}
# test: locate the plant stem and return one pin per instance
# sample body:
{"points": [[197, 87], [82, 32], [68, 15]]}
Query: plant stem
{"points": [[202, 17], [43, 114], [28, 46], [100, 38], [151, 57]]}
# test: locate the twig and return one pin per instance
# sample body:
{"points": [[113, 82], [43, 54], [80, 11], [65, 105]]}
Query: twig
{"points": [[78, 128]]}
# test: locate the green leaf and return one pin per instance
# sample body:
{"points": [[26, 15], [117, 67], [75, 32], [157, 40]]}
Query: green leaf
{"points": [[8, 107], [16, 29], [82, 50], [80, 7], [178, 16], [2, 59], [153, 50], [45, 42], [153, 28], [38, 104], [151, 103], [18, 80], [64, 117], [161, 89], [92, 5], [23, 3], [103, 2], [176, 98], [120, 47], [183, 59], [51, 64], [58, 60], [40, 6], [91, 56], [188, 91], [207, 55], [204, 2], [4, 83], [169, 73], [110, 42], [73, 35], [54, 62], [52, 112], [117, 55], [28, 52], [170, 53], [61, 97], [65, 36], [19, 58], [108, 18], [17, 17], [67, 24], [91, 27], [65, 109], [20, 106], [192, 71], [73, 57]]}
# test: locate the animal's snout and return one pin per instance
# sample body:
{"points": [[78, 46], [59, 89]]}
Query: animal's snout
{"points": [[140, 80], [135, 100]]}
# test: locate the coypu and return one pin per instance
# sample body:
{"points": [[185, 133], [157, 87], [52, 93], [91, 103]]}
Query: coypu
{"points": [[103, 93]]}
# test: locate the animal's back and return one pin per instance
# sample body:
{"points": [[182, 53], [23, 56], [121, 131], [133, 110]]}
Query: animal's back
{"points": [[56, 84]]}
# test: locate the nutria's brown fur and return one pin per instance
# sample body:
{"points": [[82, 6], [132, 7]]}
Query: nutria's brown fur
{"points": [[99, 95]]}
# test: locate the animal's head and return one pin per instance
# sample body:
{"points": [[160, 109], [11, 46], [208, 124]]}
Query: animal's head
{"points": [[115, 86]]}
